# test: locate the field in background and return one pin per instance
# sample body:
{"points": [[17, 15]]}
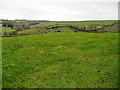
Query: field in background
{"points": [[13, 28], [82, 25]]}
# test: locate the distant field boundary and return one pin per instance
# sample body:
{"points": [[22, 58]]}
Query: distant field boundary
{"points": [[94, 31], [90, 31], [76, 28]]}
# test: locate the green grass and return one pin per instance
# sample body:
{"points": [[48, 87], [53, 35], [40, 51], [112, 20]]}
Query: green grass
{"points": [[64, 29], [32, 31], [61, 60]]}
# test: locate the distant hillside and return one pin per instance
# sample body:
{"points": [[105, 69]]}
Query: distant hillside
{"points": [[28, 27], [111, 28]]}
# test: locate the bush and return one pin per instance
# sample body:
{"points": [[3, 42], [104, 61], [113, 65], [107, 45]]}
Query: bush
{"points": [[75, 31], [8, 24]]}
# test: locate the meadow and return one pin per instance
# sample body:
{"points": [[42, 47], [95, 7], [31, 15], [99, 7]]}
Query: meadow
{"points": [[60, 60]]}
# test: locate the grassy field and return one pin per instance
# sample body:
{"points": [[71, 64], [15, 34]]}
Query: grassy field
{"points": [[29, 28], [81, 23], [7, 30], [61, 60]]}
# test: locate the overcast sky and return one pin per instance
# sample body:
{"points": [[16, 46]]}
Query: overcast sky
{"points": [[59, 10]]}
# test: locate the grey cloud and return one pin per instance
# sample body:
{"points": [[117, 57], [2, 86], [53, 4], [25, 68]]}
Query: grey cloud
{"points": [[59, 10]]}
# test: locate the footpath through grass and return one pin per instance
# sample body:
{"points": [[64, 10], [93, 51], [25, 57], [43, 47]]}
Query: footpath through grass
{"points": [[61, 60]]}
